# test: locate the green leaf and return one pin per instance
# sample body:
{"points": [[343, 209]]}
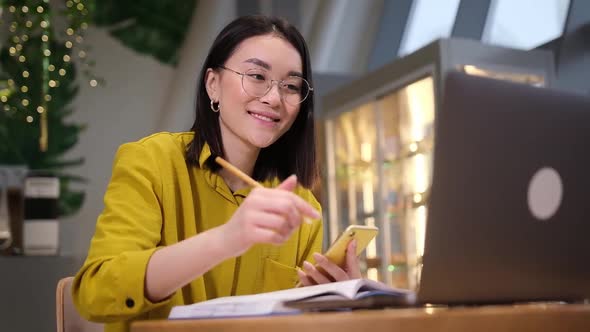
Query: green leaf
{"points": [[70, 202], [151, 27]]}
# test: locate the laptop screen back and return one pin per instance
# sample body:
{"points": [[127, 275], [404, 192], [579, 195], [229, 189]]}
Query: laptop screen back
{"points": [[509, 212]]}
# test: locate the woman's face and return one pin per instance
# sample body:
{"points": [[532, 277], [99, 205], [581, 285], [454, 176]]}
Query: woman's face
{"points": [[256, 121]]}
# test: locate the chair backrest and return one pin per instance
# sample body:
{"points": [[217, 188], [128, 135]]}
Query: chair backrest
{"points": [[68, 319]]}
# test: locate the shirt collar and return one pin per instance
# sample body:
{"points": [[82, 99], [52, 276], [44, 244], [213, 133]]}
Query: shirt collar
{"points": [[205, 154]]}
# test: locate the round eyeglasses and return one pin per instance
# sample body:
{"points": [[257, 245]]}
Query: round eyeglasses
{"points": [[257, 83]]}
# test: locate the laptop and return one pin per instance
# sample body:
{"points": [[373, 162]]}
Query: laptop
{"points": [[509, 211]]}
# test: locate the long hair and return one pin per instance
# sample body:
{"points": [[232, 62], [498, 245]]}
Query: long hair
{"points": [[292, 153]]}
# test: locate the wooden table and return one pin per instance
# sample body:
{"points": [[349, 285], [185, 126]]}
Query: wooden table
{"points": [[522, 318]]}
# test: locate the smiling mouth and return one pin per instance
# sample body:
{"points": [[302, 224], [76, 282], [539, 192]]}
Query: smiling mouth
{"points": [[263, 118]]}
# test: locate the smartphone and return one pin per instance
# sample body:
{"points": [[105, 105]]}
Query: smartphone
{"points": [[363, 235]]}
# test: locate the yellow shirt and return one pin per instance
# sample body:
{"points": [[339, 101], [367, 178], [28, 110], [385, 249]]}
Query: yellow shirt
{"points": [[153, 200]]}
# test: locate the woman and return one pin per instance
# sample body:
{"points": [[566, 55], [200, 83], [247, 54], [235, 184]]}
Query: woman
{"points": [[176, 229]]}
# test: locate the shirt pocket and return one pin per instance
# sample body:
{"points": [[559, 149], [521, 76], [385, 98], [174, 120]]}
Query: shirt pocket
{"points": [[278, 276]]}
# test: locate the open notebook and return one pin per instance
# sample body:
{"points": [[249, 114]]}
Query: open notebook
{"points": [[273, 303]]}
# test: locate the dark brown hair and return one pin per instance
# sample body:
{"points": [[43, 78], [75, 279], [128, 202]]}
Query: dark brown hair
{"points": [[292, 153]]}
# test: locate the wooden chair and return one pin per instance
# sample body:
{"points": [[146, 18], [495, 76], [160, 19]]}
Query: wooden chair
{"points": [[68, 319]]}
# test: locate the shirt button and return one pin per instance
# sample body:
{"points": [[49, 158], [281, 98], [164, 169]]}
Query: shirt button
{"points": [[129, 302]]}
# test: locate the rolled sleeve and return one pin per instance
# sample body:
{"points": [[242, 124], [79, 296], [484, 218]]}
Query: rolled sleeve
{"points": [[110, 286]]}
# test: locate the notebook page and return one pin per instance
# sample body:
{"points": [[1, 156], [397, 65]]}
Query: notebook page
{"points": [[261, 304]]}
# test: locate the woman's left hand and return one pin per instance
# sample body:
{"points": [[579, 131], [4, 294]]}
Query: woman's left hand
{"points": [[310, 275]]}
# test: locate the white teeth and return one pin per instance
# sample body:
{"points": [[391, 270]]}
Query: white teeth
{"points": [[262, 117]]}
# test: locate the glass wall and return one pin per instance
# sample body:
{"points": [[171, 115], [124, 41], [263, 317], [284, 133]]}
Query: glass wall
{"points": [[387, 186]]}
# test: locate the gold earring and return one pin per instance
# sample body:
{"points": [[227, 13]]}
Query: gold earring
{"points": [[213, 107]]}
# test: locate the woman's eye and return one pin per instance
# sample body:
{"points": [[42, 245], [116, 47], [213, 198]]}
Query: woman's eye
{"points": [[257, 76], [293, 88]]}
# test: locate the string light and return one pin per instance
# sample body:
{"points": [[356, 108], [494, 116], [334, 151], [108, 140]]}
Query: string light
{"points": [[23, 27]]}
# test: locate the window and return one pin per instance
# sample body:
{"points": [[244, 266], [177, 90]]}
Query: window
{"points": [[525, 24]]}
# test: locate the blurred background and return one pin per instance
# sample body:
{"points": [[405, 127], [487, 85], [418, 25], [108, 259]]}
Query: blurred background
{"points": [[78, 78]]}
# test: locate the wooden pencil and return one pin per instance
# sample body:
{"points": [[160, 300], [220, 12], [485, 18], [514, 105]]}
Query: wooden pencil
{"points": [[244, 177], [236, 171]]}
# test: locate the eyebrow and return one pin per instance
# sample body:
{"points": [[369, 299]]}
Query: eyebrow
{"points": [[267, 66]]}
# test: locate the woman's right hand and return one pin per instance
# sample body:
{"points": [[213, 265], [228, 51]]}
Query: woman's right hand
{"points": [[267, 216]]}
